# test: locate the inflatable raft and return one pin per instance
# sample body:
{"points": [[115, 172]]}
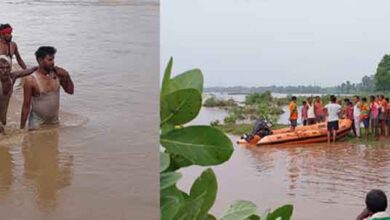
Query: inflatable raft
{"points": [[302, 135]]}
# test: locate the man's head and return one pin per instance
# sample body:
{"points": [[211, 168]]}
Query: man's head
{"points": [[364, 99], [346, 100], [294, 98], [376, 201], [372, 98], [45, 57], [6, 32], [387, 99], [304, 102], [5, 66], [333, 99], [318, 99], [356, 98], [309, 100]]}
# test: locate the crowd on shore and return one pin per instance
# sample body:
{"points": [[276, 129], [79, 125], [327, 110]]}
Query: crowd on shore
{"points": [[373, 114]]}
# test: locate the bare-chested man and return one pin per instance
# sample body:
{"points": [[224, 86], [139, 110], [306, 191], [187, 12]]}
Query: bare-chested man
{"points": [[7, 79], [42, 91], [8, 47]]}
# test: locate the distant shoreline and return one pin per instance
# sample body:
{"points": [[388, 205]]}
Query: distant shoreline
{"points": [[240, 90]]}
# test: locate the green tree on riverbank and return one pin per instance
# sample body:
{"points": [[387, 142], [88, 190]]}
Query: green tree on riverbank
{"points": [[382, 76]]}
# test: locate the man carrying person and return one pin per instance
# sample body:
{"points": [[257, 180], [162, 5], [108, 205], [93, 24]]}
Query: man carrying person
{"points": [[7, 80], [333, 110], [8, 47], [42, 91]]}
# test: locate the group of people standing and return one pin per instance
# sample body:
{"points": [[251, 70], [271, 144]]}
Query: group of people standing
{"points": [[41, 87], [373, 114]]}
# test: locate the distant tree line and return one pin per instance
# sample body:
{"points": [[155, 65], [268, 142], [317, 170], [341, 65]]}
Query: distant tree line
{"points": [[380, 81]]}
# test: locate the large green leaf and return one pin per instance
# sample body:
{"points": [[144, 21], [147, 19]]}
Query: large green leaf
{"points": [[240, 210], [170, 205], [211, 217], [168, 179], [202, 145], [253, 217], [205, 187], [192, 79], [178, 162], [167, 78], [281, 213], [164, 161], [180, 107], [165, 128], [171, 199], [190, 209]]}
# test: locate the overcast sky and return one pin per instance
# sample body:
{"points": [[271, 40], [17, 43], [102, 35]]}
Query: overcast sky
{"points": [[275, 42]]}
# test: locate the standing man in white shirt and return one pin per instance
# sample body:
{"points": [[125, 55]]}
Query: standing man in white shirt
{"points": [[356, 116], [333, 110], [311, 116]]}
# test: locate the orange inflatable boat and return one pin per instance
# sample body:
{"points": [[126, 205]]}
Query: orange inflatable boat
{"points": [[302, 135]]}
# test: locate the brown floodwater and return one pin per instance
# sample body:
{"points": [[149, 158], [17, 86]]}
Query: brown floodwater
{"points": [[321, 181], [102, 161]]}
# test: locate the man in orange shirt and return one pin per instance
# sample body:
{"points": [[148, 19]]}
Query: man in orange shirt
{"points": [[293, 112], [364, 116]]}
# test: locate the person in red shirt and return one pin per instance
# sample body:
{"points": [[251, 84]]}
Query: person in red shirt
{"points": [[374, 116], [304, 113]]}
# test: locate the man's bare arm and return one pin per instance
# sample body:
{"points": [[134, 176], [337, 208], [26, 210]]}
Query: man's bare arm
{"points": [[23, 73], [65, 80], [27, 94], [19, 58]]}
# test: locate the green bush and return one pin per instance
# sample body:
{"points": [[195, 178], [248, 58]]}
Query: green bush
{"points": [[215, 123], [230, 119], [215, 102], [256, 98]]}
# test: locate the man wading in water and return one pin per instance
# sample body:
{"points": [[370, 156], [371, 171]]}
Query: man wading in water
{"points": [[8, 47], [42, 91], [6, 86]]}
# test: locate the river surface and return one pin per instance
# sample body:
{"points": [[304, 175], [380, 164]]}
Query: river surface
{"points": [[102, 161], [321, 181]]}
